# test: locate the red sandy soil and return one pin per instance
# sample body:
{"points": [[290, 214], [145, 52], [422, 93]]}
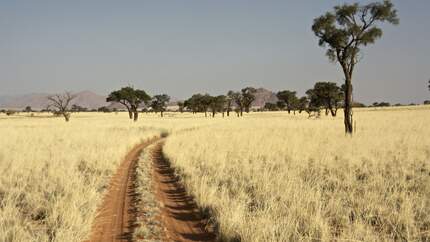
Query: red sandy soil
{"points": [[117, 215], [180, 215]]}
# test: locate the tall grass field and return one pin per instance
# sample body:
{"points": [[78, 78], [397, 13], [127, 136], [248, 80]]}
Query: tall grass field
{"points": [[264, 177]]}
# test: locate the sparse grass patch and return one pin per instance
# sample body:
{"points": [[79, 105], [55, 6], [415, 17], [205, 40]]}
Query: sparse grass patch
{"points": [[149, 226]]}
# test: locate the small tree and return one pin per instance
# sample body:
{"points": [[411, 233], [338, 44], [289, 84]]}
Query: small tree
{"points": [[302, 104], [229, 101], [203, 102], [238, 100], [61, 103], [281, 105], [314, 103], [77, 108], [103, 109], [330, 96], [248, 96], [289, 98], [159, 103], [28, 109], [345, 31], [217, 104], [180, 106], [270, 107], [193, 103]]}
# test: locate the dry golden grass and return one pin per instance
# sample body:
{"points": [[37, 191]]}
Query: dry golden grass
{"points": [[53, 173], [266, 176], [279, 177]]}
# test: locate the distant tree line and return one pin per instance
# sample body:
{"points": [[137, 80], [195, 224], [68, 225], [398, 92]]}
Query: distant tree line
{"points": [[238, 102]]}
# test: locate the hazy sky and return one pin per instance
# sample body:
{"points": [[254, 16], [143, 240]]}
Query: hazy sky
{"points": [[184, 47]]}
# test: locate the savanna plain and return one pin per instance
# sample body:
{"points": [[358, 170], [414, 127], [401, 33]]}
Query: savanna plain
{"points": [[269, 176]]}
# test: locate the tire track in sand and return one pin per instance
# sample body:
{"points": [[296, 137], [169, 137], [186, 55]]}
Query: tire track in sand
{"points": [[117, 214], [180, 215]]}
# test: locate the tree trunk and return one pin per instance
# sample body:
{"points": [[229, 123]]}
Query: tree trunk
{"points": [[66, 116], [326, 111], [333, 111], [161, 113], [130, 114], [136, 115], [348, 105], [213, 114], [241, 112], [228, 111]]}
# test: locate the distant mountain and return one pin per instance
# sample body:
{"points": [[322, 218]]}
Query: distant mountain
{"points": [[91, 100], [264, 96], [39, 101]]}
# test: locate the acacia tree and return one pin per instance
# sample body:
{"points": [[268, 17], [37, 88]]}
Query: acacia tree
{"points": [[344, 31], [239, 101], [289, 99], [248, 96], [192, 103], [229, 101], [302, 104], [61, 102], [136, 98], [198, 103], [314, 103], [120, 97], [330, 96], [281, 105], [217, 104], [131, 98], [28, 109], [203, 102], [181, 106], [159, 103]]}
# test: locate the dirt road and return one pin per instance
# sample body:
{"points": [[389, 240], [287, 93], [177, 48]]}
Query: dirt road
{"points": [[180, 214], [117, 215]]}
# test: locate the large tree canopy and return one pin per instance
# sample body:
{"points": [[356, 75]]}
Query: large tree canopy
{"points": [[131, 98], [344, 31]]}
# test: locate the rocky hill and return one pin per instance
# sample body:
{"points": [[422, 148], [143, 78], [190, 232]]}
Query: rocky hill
{"points": [[263, 96]]}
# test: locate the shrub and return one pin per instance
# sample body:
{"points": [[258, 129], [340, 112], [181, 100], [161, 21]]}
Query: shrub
{"points": [[10, 112]]}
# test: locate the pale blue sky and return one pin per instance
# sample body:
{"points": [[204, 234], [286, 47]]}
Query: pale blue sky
{"points": [[184, 47]]}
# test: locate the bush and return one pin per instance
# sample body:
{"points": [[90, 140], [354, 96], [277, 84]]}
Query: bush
{"points": [[358, 105], [103, 109], [10, 112], [427, 102]]}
